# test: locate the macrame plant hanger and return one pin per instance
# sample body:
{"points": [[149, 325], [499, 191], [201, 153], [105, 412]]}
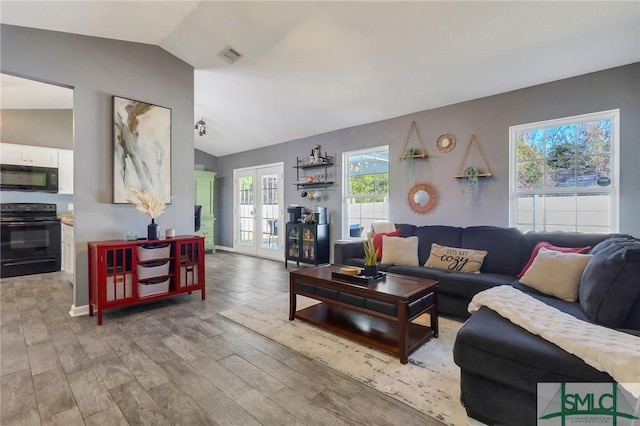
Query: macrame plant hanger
{"points": [[422, 152], [483, 172]]}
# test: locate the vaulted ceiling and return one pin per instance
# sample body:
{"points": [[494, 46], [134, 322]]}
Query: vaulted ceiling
{"points": [[313, 67]]}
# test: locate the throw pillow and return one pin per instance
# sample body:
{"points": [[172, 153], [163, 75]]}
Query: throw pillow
{"points": [[383, 226], [400, 251], [550, 246], [556, 274], [610, 287], [377, 240], [455, 259]]}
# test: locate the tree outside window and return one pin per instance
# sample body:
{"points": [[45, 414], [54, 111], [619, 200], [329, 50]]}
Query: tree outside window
{"points": [[563, 176], [366, 190]]}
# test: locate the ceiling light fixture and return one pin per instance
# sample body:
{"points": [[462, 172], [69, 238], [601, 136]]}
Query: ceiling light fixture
{"points": [[201, 127]]}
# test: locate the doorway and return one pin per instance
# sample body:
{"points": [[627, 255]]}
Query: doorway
{"points": [[258, 213]]}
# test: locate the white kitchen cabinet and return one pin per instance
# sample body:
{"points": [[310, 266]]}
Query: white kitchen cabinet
{"points": [[68, 251], [65, 171], [28, 155]]}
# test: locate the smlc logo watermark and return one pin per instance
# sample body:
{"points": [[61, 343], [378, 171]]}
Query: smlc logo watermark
{"points": [[562, 404]]}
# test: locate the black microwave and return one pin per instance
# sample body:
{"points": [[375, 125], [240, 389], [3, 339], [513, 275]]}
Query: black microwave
{"points": [[28, 178]]}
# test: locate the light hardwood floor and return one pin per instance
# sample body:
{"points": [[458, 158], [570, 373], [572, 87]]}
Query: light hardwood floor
{"points": [[170, 362]]}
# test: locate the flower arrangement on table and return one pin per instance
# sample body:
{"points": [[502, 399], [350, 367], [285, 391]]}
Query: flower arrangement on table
{"points": [[152, 204]]}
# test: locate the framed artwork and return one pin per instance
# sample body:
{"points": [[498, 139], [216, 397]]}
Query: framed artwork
{"points": [[141, 149]]}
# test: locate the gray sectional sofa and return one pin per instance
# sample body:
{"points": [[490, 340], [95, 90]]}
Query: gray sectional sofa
{"points": [[508, 250], [501, 363]]}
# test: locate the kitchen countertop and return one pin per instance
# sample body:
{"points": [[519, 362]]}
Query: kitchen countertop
{"points": [[66, 218]]}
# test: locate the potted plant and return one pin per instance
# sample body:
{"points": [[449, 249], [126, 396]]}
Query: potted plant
{"points": [[406, 160], [370, 258], [470, 182]]}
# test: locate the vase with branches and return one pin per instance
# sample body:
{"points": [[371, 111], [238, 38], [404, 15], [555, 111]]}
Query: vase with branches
{"points": [[152, 204]]}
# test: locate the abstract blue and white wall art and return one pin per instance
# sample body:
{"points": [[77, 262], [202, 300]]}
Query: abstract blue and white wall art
{"points": [[141, 148]]}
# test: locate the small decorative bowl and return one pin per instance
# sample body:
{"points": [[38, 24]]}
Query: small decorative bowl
{"points": [[350, 270]]}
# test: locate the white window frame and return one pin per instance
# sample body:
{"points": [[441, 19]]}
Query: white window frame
{"points": [[345, 189], [613, 189]]}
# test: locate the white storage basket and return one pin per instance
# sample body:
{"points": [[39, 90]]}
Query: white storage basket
{"points": [[122, 289], [189, 275], [153, 251], [152, 287], [153, 269]]}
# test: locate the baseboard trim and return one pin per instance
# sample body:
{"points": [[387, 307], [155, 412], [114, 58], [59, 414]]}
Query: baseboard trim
{"points": [[78, 311], [224, 248]]}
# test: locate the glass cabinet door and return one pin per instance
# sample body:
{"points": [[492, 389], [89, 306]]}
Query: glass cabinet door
{"points": [[293, 244], [308, 244]]}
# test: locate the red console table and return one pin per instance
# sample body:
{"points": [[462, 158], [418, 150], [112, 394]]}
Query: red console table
{"points": [[123, 273]]}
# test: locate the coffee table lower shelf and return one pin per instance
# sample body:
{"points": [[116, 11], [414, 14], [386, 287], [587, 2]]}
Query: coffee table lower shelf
{"points": [[381, 333]]}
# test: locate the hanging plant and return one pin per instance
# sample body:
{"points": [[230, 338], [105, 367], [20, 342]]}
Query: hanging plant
{"points": [[406, 159], [470, 183], [411, 153]]}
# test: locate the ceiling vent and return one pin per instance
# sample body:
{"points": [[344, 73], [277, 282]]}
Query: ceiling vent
{"points": [[230, 55]]}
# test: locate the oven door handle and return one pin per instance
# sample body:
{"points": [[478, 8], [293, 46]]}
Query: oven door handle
{"points": [[28, 262], [41, 222]]}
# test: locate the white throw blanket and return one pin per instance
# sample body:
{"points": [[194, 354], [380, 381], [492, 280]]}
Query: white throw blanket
{"points": [[605, 349]]}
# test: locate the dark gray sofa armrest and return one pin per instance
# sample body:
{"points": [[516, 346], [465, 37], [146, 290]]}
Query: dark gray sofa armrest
{"points": [[343, 250]]}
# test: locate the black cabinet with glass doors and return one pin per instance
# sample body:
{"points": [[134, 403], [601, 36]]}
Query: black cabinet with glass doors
{"points": [[307, 243]]}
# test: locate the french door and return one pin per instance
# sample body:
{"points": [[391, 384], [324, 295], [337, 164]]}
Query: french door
{"points": [[258, 213]]}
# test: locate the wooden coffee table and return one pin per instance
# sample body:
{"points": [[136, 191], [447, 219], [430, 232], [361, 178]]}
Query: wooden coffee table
{"points": [[378, 314]]}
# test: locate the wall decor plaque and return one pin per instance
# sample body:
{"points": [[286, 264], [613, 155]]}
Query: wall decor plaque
{"points": [[446, 142]]}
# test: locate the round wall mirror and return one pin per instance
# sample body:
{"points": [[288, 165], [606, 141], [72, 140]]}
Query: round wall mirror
{"points": [[422, 198]]}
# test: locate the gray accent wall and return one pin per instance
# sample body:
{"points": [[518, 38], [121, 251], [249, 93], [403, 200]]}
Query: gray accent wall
{"points": [[205, 161], [489, 119], [97, 69]]}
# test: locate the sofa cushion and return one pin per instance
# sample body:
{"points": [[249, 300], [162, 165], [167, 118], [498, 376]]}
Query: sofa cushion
{"points": [[550, 246], [610, 287], [557, 274], [443, 235], [453, 259], [504, 247], [416, 271], [377, 240], [400, 251], [467, 285], [406, 229]]}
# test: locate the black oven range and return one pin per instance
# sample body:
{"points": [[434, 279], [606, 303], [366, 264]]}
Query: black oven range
{"points": [[30, 235]]}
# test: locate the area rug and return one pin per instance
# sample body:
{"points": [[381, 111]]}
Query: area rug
{"points": [[428, 383]]}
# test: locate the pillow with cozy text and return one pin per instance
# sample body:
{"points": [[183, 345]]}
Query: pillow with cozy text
{"points": [[455, 259]]}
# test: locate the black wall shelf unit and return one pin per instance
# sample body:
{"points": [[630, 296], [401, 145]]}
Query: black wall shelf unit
{"points": [[316, 181]]}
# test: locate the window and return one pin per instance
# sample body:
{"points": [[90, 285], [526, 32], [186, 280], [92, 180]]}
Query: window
{"points": [[564, 174], [366, 186]]}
